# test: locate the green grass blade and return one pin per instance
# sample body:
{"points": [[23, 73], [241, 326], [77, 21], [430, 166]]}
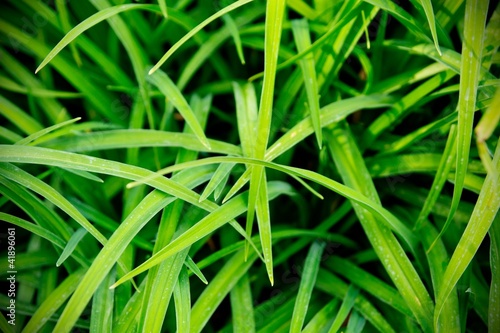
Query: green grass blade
{"points": [[308, 280], [246, 113], [53, 302], [116, 139], [300, 30], [441, 175], [172, 92], [195, 269], [482, 217], [89, 23], [218, 288], [182, 298], [356, 323], [18, 117], [345, 308], [101, 317], [44, 131], [66, 25], [429, 12], [323, 318], [192, 32], [264, 223], [241, 306], [470, 71], [71, 245], [221, 174], [163, 7], [233, 28]]}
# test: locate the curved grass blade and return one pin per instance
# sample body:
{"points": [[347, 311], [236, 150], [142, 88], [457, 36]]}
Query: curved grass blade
{"points": [[18, 117], [233, 28], [220, 176], [429, 12], [44, 131], [62, 10], [205, 226], [345, 308], [192, 32], [300, 30], [482, 217], [89, 23], [264, 223], [71, 245], [470, 72], [323, 318], [172, 92], [307, 282], [116, 139], [439, 180]]}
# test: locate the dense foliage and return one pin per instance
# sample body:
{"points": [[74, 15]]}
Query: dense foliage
{"points": [[270, 166]]}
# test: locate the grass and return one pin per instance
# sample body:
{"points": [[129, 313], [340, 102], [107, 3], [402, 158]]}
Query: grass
{"points": [[139, 143]]}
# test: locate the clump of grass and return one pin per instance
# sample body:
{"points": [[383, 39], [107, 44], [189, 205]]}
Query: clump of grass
{"points": [[140, 142]]}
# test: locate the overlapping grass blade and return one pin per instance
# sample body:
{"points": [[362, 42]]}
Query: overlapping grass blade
{"points": [[101, 317], [470, 72], [482, 217], [193, 31], [182, 298], [44, 131], [441, 175], [429, 12], [302, 38], [241, 306], [231, 25], [53, 302], [308, 280], [71, 245], [89, 23], [189, 263], [172, 92]]}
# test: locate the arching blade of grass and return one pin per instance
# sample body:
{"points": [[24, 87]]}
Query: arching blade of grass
{"points": [[470, 72], [89, 23], [116, 139], [482, 217], [439, 180], [307, 282], [302, 38], [246, 113], [429, 12], [44, 131], [182, 298], [170, 90], [53, 302], [195, 30], [62, 10], [390, 220]]}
